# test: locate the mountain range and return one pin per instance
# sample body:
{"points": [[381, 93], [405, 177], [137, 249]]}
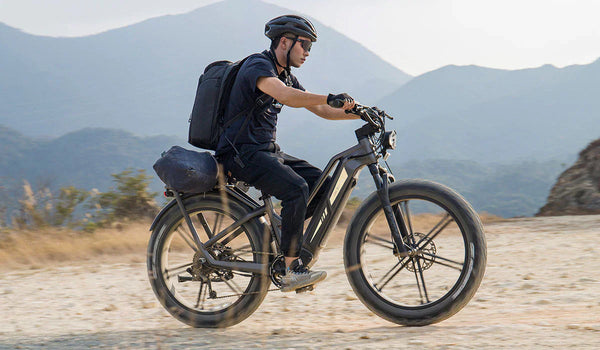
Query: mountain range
{"points": [[499, 136], [498, 115], [142, 78], [86, 159]]}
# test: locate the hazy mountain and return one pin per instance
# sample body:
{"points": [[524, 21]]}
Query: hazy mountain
{"points": [[142, 78], [497, 115], [86, 159]]}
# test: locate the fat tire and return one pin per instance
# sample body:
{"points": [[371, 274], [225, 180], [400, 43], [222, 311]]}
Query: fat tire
{"points": [[468, 283], [244, 306]]}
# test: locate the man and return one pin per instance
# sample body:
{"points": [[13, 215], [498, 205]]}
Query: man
{"points": [[248, 150]]}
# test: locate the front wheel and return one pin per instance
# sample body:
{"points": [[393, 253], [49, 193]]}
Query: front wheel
{"points": [[444, 265]]}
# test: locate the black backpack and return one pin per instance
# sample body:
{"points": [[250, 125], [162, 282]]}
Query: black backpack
{"points": [[212, 94]]}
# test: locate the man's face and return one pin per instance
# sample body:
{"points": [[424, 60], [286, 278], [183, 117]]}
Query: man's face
{"points": [[297, 54]]}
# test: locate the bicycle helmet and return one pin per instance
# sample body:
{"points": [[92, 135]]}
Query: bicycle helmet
{"points": [[297, 25]]}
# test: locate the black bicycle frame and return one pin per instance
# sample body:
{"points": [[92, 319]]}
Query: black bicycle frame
{"points": [[344, 169]]}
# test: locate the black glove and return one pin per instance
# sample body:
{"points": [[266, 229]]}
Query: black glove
{"points": [[337, 101]]}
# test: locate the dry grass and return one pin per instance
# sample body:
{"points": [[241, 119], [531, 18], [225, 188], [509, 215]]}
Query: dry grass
{"points": [[487, 218], [51, 245]]}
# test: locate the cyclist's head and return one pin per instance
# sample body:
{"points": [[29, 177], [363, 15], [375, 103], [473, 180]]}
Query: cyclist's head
{"points": [[291, 26]]}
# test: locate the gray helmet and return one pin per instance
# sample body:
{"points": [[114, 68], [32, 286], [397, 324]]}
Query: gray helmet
{"points": [[290, 24]]}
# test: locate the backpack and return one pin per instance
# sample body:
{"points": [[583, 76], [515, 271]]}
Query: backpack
{"points": [[214, 87]]}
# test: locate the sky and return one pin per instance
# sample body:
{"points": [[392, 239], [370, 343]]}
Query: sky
{"points": [[414, 35]]}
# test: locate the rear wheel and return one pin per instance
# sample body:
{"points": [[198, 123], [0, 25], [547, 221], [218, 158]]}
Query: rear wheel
{"points": [[445, 263], [194, 293]]}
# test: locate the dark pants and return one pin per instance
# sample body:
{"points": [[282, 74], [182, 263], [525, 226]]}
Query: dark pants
{"points": [[289, 179]]}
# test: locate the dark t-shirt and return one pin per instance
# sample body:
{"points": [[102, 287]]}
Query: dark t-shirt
{"points": [[262, 126]]}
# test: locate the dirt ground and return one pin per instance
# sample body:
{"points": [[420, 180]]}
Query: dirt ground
{"points": [[541, 290]]}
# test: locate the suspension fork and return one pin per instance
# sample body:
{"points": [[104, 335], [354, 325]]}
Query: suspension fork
{"points": [[394, 218]]}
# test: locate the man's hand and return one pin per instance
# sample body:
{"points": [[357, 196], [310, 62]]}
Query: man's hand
{"points": [[343, 101]]}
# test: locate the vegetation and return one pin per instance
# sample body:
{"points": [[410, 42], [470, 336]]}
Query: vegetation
{"points": [[74, 208]]}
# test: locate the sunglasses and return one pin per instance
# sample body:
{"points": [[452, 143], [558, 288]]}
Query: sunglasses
{"points": [[306, 44]]}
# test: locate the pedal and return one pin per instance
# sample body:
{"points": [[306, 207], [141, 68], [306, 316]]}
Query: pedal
{"points": [[182, 279], [305, 289]]}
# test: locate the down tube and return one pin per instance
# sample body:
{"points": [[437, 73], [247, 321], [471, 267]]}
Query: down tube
{"points": [[329, 211]]}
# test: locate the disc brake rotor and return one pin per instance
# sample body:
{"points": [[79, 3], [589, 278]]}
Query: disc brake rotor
{"points": [[425, 261]]}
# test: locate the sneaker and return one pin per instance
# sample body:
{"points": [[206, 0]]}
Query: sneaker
{"points": [[298, 276]]}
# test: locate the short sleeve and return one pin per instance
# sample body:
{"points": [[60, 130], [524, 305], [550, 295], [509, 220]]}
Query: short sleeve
{"points": [[255, 68], [296, 84]]}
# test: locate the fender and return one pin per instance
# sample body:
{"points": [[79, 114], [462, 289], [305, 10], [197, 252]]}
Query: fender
{"points": [[234, 194]]}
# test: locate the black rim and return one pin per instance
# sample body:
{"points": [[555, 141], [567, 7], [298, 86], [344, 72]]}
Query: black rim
{"points": [[436, 269], [193, 286]]}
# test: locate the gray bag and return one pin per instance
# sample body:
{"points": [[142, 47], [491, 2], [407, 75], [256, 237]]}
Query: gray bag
{"points": [[187, 171]]}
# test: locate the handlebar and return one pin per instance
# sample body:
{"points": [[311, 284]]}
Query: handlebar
{"points": [[372, 115]]}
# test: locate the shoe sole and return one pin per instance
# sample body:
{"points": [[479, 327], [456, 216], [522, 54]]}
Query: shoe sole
{"points": [[307, 283]]}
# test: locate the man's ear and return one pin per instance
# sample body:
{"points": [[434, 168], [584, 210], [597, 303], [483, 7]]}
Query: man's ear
{"points": [[284, 42]]}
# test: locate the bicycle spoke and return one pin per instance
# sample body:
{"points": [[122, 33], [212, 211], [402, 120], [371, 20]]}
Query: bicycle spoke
{"points": [[418, 275], [175, 270], [379, 285], [414, 267], [186, 238], [379, 239], [435, 259], [233, 286], [218, 221], [436, 230], [204, 223], [246, 248]]}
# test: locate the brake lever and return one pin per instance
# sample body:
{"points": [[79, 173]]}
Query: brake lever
{"points": [[364, 113], [382, 113]]}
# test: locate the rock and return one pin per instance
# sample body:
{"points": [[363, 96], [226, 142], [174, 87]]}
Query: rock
{"points": [[528, 277], [365, 337], [110, 307], [593, 327], [586, 279], [577, 190], [350, 297], [527, 286], [148, 305]]}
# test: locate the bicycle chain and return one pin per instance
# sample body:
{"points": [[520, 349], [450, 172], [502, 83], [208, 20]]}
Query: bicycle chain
{"points": [[242, 294]]}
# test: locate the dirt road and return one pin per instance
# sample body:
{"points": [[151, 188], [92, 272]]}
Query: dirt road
{"points": [[541, 290]]}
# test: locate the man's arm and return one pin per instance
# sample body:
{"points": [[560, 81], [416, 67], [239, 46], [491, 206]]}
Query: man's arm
{"points": [[289, 96], [292, 97], [327, 112]]}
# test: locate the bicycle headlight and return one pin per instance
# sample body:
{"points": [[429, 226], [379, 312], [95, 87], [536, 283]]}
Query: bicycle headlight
{"points": [[389, 139]]}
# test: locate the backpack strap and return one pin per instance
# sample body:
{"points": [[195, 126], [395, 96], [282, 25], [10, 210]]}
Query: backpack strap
{"points": [[260, 101]]}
